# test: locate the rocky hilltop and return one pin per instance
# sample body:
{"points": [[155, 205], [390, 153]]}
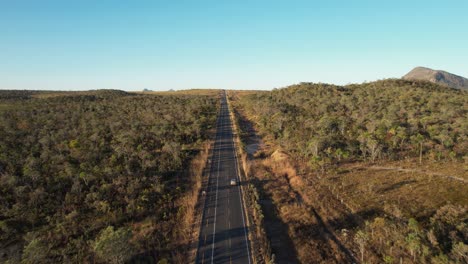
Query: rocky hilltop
{"points": [[437, 76]]}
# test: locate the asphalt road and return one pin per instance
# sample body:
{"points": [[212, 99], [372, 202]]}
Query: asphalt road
{"points": [[223, 234]]}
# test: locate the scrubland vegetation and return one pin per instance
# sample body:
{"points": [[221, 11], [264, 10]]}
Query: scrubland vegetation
{"points": [[99, 177], [319, 123], [371, 173]]}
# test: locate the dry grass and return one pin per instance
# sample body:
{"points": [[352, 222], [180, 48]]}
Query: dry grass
{"points": [[209, 92], [443, 168], [189, 217], [309, 238], [350, 195], [418, 191]]}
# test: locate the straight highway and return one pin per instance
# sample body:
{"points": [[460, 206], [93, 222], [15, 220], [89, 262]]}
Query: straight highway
{"points": [[223, 232]]}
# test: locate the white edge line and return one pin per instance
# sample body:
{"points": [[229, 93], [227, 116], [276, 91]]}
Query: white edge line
{"points": [[239, 189]]}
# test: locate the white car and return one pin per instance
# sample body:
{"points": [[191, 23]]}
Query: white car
{"points": [[233, 182]]}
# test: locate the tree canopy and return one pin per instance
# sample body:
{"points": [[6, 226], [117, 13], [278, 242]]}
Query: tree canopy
{"points": [[80, 172]]}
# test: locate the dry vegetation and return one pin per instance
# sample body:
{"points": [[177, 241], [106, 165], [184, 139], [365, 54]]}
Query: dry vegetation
{"points": [[101, 176], [417, 190], [189, 216], [405, 204], [296, 231], [206, 92]]}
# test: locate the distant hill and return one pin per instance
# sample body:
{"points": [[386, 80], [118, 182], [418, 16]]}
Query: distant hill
{"points": [[437, 76]]}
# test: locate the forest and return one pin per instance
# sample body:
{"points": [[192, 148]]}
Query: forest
{"points": [[97, 177], [387, 119], [366, 165]]}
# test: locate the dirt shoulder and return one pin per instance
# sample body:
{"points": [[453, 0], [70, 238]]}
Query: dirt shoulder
{"points": [[296, 224]]}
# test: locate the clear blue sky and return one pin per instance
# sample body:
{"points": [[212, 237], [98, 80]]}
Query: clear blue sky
{"points": [[131, 45]]}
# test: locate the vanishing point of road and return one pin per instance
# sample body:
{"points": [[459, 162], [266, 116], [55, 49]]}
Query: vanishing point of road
{"points": [[223, 233]]}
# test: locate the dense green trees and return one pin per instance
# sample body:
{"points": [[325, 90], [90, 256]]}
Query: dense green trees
{"points": [[73, 165], [388, 119], [114, 246]]}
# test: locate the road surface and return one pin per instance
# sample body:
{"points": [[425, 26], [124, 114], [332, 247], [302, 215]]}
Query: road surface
{"points": [[223, 234]]}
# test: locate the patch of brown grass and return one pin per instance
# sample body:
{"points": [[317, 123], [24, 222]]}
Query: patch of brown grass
{"points": [[189, 213], [308, 235], [418, 192]]}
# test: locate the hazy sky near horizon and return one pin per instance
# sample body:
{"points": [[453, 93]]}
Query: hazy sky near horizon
{"points": [[160, 45]]}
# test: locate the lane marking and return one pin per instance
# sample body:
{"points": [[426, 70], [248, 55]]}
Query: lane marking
{"points": [[216, 206], [239, 190], [210, 189]]}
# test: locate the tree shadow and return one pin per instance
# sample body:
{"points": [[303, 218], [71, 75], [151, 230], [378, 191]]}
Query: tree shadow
{"points": [[276, 230], [396, 186], [322, 232]]}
